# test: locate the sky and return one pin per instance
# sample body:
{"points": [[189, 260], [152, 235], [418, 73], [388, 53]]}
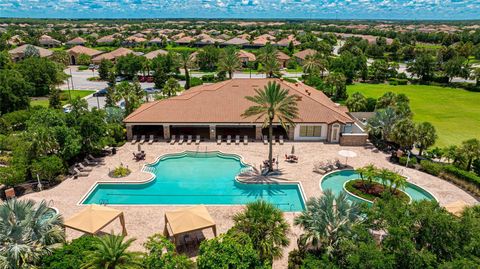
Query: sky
{"points": [[247, 9]]}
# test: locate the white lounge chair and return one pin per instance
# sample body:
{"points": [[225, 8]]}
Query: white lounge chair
{"points": [[90, 163], [280, 140], [142, 139], [245, 139], [181, 139], [151, 139], [93, 159], [274, 140], [219, 140], [134, 139], [237, 140], [78, 173], [172, 140], [189, 139], [229, 139], [197, 140], [265, 140], [82, 168]]}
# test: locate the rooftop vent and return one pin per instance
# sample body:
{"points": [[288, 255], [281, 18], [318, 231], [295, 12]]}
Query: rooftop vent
{"points": [[235, 86]]}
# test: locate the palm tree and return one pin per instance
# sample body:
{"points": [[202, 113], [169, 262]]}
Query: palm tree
{"points": [[383, 122], [171, 87], [426, 136], [27, 232], [185, 60], [267, 228], [111, 253], [357, 102], [132, 94], [315, 64], [367, 173], [271, 104], [229, 61], [470, 149], [327, 220], [268, 58]]}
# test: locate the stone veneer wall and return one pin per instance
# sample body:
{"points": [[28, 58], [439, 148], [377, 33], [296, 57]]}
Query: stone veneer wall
{"points": [[353, 139]]}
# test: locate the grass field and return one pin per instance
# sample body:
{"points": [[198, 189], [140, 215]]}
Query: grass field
{"points": [[64, 96], [454, 112]]}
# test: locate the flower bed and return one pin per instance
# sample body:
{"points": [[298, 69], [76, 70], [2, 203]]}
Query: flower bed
{"points": [[375, 191], [119, 172]]}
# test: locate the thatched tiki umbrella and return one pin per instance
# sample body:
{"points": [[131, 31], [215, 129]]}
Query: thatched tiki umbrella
{"points": [[293, 150]]}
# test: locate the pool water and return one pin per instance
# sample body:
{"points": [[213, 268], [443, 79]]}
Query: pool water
{"points": [[193, 178], [335, 182]]}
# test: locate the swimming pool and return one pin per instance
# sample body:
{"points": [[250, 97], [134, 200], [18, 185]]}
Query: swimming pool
{"points": [[336, 180], [192, 178]]}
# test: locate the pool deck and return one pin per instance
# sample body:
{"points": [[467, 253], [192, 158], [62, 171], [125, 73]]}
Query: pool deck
{"points": [[143, 221]]}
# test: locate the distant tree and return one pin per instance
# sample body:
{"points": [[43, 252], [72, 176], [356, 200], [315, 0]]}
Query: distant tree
{"points": [[357, 102], [426, 136], [335, 86], [41, 73], [456, 67], [315, 64], [61, 57], [132, 94], [207, 58], [229, 61], [129, 65], [290, 48], [5, 60], [470, 149], [104, 69], [54, 98], [31, 51], [423, 66], [171, 87], [186, 62], [14, 91], [404, 133], [161, 253], [267, 57], [84, 59], [476, 75], [267, 228]]}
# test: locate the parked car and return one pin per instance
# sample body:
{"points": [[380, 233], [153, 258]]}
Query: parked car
{"points": [[100, 93], [119, 79], [151, 90]]}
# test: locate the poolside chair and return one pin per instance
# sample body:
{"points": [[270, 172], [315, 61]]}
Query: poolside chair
{"points": [[280, 140], [134, 139], [189, 139], [181, 140], [274, 140], [219, 140], [245, 139], [93, 159], [265, 140], [89, 163], [151, 139], [172, 140], [197, 140], [237, 140], [142, 139], [229, 139], [83, 168], [79, 173]]}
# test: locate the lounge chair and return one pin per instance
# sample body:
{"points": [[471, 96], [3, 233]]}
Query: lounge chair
{"points": [[93, 159], [142, 139], [172, 139], [79, 173], [237, 140], [245, 139], [181, 140], [229, 139], [265, 140], [151, 139], [274, 140], [83, 168], [89, 163], [219, 140], [197, 140], [134, 139], [189, 139], [280, 140]]}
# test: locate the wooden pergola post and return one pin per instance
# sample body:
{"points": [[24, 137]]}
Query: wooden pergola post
{"points": [[122, 222]]}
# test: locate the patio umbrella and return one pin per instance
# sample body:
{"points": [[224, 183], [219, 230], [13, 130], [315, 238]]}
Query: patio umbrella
{"points": [[347, 154], [293, 150]]}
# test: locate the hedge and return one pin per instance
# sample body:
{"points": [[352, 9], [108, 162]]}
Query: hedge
{"points": [[411, 163], [462, 174], [431, 167]]}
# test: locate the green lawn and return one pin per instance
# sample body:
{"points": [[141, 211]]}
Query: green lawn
{"points": [[454, 112], [64, 96]]}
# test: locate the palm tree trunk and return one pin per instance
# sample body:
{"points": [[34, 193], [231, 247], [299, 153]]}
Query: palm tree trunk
{"points": [[270, 146], [187, 78]]}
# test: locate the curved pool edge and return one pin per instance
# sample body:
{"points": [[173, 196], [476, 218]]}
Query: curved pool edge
{"points": [[349, 193], [180, 154]]}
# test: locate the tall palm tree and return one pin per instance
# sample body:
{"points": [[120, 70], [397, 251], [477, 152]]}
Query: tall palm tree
{"points": [[327, 220], [186, 61], [229, 61], [268, 58], [267, 228], [132, 94], [27, 231], [171, 87], [111, 253], [315, 64], [383, 122], [273, 103]]}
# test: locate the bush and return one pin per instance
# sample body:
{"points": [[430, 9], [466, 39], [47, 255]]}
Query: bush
{"points": [[208, 78], [411, 163], [291, 80], [120, 171], [82, 68], [476, 166], [47, 168], [431, 167], [397, 81], [462, 174], [194, 81], [70, 255]]}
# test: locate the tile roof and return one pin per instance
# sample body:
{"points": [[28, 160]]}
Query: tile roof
{"points": [[245, 54], [113, 54], [304, 53], [21, 50], [77, 41], [236, 41], [155, 53], [224, 102], [84, 50]]}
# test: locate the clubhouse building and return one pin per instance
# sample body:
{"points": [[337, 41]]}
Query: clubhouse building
{"points": [[215, 110]]}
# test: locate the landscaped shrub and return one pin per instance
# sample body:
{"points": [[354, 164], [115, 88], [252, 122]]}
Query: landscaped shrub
{"points": [[70, 255], [208, 78], [476, 166], [47, 168], [291, 80], [82, 68], [120, 171], [194, 81], [411, 163], [431, 167], [462, 174]]}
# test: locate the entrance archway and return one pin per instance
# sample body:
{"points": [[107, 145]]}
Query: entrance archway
{"points": [[73, 61]]}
